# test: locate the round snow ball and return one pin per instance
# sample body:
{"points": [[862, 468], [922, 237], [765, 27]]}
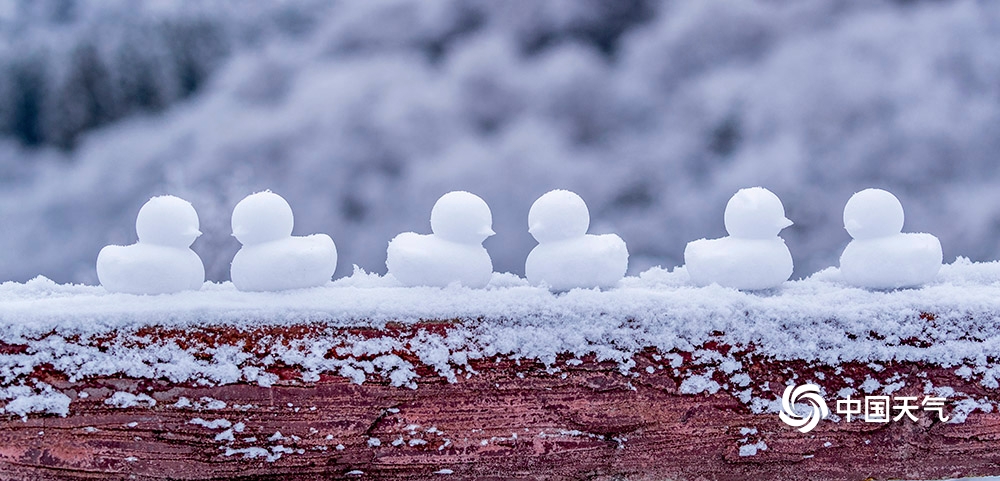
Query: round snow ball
{"points": [[558, 215], [167, 220], [262, 217], [461, 216], [873, 213], [755, 213]]}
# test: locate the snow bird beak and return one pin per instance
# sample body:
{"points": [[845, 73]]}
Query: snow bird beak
{"points": [[784, 222], [488, 232]]}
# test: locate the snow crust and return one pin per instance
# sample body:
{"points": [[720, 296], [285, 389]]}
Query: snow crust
{"points": [[819, 319]]}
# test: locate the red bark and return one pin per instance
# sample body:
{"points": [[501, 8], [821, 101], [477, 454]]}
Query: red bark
{"points": [[507, 420]]}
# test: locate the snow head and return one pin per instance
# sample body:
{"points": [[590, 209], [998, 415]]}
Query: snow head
{"points": [[461, 216], [873, 213], [168, 221], [558, 215], [262, 217], [755, 213]]}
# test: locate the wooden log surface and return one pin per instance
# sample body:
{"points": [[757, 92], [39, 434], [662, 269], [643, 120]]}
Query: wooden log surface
{"points": [[506, 420]]}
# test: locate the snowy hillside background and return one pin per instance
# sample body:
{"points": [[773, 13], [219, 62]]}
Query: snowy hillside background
{"points": [[362, 113]]}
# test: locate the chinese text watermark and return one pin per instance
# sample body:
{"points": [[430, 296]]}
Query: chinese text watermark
{"points": [[870, 409]]}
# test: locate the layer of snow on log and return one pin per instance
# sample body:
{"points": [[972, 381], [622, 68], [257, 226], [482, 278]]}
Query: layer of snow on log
{"points": [[818, 319]]}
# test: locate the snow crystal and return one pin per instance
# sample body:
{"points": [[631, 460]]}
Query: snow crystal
{"points": [[963, 407], [212, 404], [216, 424], [870, 385], [752, 449], [741, 379], [444, 471], [122, 399], [253, 452], [698, 384], [40, 399]]}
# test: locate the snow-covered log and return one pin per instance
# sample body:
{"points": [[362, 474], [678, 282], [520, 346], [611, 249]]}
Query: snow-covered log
{"points": [[569, 420], [650, 380]]}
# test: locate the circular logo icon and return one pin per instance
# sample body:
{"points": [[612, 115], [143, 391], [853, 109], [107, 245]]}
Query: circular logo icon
{"points": [[805, 394]]}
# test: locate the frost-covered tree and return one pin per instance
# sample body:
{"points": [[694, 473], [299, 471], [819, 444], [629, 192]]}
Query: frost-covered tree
{"points": [[362, 114]]}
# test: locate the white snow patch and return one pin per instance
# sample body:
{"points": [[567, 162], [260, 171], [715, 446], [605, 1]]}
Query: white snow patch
{"points": [[753, 449], [121, 400], [216, 424], [699, 384], [42, 398]]}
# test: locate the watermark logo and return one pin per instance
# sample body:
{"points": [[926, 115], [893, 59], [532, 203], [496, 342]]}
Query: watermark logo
{"points": [[872, 409], [806, 393]]}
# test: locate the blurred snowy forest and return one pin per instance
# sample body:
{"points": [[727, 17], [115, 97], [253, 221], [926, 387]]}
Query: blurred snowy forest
{"points": [[362, 113]]}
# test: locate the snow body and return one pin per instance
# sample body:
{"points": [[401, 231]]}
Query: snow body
{"points": [[881, 256], [162, 262], [752, 257], [272, 259], [566, 257], [453, 253]]}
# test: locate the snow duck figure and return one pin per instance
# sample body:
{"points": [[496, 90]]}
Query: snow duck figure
{"points": [[272, 259], [881, 256], [162, 262], [566, 256], [454, 253], [752, 257]]}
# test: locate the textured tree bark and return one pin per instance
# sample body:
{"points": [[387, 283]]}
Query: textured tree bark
{"points": [[507, 420]]}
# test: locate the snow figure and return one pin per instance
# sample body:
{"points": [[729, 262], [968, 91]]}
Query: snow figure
{"points": [[454, 253], [162, 261], [752, 257], [566, 256], [271, 259], [881, 256]]}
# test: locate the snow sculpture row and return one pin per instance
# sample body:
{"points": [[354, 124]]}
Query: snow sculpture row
{"points": [[752, 257]]}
